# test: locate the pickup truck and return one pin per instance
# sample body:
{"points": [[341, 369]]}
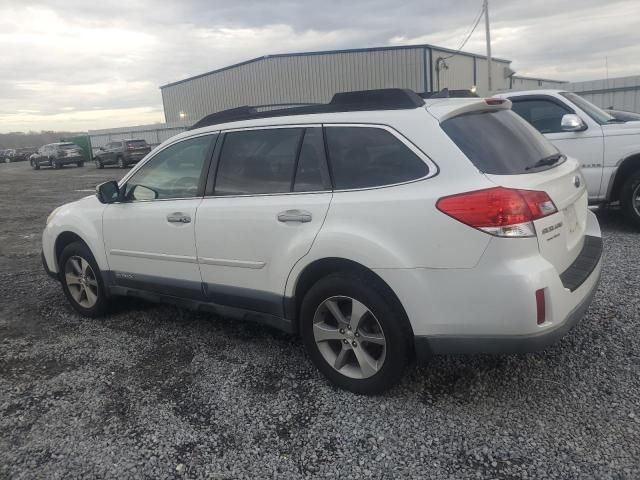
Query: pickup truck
{"points": [[608, 149]]}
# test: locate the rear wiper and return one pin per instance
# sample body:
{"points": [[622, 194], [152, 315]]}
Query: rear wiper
{"points": [[543, 162]]}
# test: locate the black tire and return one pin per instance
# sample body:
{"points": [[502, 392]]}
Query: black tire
{"points": [[54, 164], [80, 250], [99, 163], [80, 164], [390, 317], [121, 162], [35, 165], [630, 198]]}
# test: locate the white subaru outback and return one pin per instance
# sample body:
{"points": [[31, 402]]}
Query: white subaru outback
{"points": [[379, 227]]}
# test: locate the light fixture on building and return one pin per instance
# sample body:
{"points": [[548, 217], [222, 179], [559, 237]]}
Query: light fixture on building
{"points": [[474, 89], [182, 115]]}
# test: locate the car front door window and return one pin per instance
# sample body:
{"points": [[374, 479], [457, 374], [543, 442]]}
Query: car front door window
{"points": [[544, 115], [175, 172]]}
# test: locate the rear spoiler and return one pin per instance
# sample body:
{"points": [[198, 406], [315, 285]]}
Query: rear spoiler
{"points": [[444, 110]]}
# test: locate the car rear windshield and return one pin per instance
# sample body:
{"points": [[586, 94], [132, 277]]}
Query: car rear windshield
{"points": [[137, 143], [501, 143]]}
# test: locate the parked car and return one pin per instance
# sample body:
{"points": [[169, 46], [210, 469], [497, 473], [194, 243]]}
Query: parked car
{"points": [[7, 155], [608, 149], [379, 227], [122, 153], [57, 155], [623, 116]]}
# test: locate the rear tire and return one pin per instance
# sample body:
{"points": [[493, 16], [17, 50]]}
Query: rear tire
{"points": [[630, 198], [340, 350], [82, 281]]}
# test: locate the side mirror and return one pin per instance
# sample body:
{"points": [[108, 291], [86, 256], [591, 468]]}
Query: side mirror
{"points": [[108, 192], [572, 123]]}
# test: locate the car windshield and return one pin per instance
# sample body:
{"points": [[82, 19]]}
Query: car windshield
{"points": [[67, 146], [501, 143], [589, 108]]}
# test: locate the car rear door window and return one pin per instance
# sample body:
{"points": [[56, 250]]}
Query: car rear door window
{"points": [[499, 142], [258, 161], [312, 174], [544, 115], [362, 157]]}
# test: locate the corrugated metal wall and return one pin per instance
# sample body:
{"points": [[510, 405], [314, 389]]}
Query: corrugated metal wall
{"points": [[618, 93], [529, 83], [315, 77]]}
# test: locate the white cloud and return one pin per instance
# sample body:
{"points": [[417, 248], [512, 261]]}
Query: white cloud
{"points": [[72, 64]]}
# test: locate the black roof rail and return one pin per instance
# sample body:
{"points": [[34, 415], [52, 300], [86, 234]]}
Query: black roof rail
{"points": [[365, 100]]}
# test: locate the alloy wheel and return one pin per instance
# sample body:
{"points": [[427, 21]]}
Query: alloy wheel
{"points": [[635, 199], [349, 337], [81, 281]]}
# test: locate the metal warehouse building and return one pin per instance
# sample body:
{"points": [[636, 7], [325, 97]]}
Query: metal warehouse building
{"points": [[315, 76]]}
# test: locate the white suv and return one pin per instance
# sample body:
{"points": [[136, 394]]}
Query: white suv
{"points": [[379, 227]]}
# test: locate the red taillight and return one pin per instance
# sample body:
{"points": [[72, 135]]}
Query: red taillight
{"points": [[494, 101], [499, 211], [541, 307]]}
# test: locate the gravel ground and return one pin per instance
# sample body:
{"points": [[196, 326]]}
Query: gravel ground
{"points": [[158, 392]]}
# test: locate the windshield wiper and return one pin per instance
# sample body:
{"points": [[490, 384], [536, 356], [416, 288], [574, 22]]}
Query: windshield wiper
{"points": [[543, 162]]}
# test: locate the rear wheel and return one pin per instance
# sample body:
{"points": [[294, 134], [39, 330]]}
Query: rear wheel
{"points": [[35, 165], [121, 162], [81, 280], [630, 198], [354, 333]]}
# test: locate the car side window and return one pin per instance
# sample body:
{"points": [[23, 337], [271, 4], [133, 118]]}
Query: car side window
{"points": [[258, 161], [312, 174], [362, 157], [174, 172], [544, 115]]}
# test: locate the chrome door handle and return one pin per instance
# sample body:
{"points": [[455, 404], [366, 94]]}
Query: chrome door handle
{"points": [[178, 217], [301, 216]]}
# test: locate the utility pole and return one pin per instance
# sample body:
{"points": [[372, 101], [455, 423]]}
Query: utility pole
{"points": [[486, 21]]}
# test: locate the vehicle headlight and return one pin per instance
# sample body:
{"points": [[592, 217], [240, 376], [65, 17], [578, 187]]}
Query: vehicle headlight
{"points": [[51, 215]]}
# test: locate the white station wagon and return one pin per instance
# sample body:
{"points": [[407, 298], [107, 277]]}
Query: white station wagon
{"points": [[381, 228]]}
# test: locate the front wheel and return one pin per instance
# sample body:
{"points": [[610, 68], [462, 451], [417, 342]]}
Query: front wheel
{"points": [[122, 163], [630, 198], [81, 280], [54, 164], [354, 333], [99, 163], [35, 165]]}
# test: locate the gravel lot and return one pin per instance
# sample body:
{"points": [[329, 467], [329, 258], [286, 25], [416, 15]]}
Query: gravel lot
{"points": [[158, 392]]}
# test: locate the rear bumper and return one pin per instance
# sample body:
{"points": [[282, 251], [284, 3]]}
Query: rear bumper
{"points": [[491, 307], [426, 346]]}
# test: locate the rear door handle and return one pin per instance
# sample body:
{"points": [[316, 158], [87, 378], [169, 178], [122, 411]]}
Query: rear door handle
{"points": [[301, 216], [178, 217]]}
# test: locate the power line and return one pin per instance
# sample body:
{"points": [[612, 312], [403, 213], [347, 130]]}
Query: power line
{"points": [[473, 28]]}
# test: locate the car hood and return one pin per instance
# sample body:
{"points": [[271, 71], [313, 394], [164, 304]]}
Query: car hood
{"points": [[627, 128]]}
